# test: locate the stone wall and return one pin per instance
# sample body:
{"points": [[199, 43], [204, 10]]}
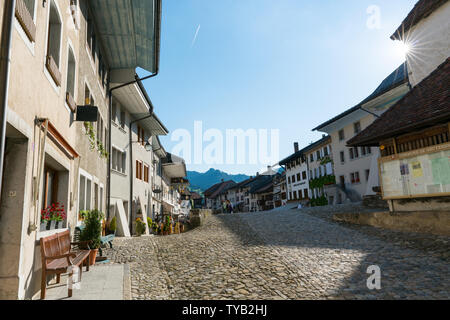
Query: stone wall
{"points": [[434, 222], [199, 216]]}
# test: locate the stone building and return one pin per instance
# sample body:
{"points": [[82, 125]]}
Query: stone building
{"points": [[64, 56], [297, 179], [321, 170], [356, 168], [413, 135]]}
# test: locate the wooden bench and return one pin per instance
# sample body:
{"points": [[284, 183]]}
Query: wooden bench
{"points": [[57, 256]]}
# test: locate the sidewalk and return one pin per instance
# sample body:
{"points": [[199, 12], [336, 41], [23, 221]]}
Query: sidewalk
{"points": [[102, 282]]}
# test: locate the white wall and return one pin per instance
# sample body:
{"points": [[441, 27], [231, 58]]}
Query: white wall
{"points": [[430, 42]]}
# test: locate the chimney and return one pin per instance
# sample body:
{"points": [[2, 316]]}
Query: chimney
{"points": [[295, 146]]}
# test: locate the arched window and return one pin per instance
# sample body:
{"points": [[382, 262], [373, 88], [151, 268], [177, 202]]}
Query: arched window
{"points": [[54, 43]]}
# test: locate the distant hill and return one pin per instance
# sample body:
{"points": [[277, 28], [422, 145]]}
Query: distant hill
{"points": [[202, 181]]}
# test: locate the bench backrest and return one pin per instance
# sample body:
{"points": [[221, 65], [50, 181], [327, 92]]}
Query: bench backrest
{"points": [[55, 245]]}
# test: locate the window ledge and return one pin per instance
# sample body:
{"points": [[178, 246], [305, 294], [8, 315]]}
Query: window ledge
{"points": [[43, 234], [118, 172]]}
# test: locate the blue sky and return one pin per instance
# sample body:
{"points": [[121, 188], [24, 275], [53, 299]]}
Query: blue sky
{"points": [[270, 64]]}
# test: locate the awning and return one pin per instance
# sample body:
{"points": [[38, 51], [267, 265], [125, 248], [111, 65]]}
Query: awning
{"points": [[130, 33]]}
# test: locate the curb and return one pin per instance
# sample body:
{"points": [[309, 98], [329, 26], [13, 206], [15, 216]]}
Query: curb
{"points": [[126, 282]]}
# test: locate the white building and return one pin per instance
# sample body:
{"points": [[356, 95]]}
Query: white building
{"points": [[297, 178]]}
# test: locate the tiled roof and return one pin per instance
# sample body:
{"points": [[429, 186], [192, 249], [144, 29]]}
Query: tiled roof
{"points": [[428, 103], [223, 186], [395, 79], [301, 152], [421, 10]]}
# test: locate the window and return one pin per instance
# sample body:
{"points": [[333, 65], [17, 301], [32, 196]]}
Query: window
{"points": [[99, 128], [118, 162], [293, 179], [342, 154], [352, 156], [138, 170], [367, 174], [84, 199], [88, 98], [311, 157], [318, 155], [74, 12], [30, 4], [354, 177], [357, 127], [325, 151], [53, 59], [122, 119], [70, 81], [341, 135], [299, 177], [356, 152], [146, 173], [90, 35], [304, 175], [368, 150], [342, 181], [320, 171], [305, 193], [363, 151]]}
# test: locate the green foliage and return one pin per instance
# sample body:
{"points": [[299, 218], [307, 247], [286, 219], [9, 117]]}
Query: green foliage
{"points": [[83, 214], [140, 227], [93, 229], [318, 183], [152, 225], [325, 160], [93, 142], [113, 225], [318, 202]]}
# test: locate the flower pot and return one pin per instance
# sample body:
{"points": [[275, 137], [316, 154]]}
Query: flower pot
{"points": [[58, 225], [43, 226], [92, 256]]}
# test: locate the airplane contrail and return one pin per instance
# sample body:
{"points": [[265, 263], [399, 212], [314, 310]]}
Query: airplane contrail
{"points": [[195, 36]]}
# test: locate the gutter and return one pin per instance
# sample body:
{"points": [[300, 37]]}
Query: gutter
{"points": [[5, 67]]}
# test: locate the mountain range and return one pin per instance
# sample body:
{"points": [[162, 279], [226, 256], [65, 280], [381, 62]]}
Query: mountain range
{"points": [[200, 182]]}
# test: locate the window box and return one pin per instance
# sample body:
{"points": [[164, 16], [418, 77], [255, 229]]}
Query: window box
{"points": [[53, 69], [26, 20], [71, 102]]}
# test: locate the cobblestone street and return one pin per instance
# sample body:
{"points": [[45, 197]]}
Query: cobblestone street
{"points": [[284, 255]]}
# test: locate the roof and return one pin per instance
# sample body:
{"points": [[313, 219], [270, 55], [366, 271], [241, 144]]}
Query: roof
{"points": [[395, 79], [130, 33], [260, 183], [302, 152], [218, 188], [421, 10], [427, 104], [195, 196], [325, 139]]}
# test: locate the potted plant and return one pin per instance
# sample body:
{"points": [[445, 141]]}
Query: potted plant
{"points": [[112, 226], [140, 227], [91, 233], [45, 218]]}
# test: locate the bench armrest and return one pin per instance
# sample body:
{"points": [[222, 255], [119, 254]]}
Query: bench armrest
{"points": [[86, 243]]}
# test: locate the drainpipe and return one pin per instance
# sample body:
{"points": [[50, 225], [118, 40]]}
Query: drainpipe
{"points": [[108, 169], [5, 64], [131, 175]]}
